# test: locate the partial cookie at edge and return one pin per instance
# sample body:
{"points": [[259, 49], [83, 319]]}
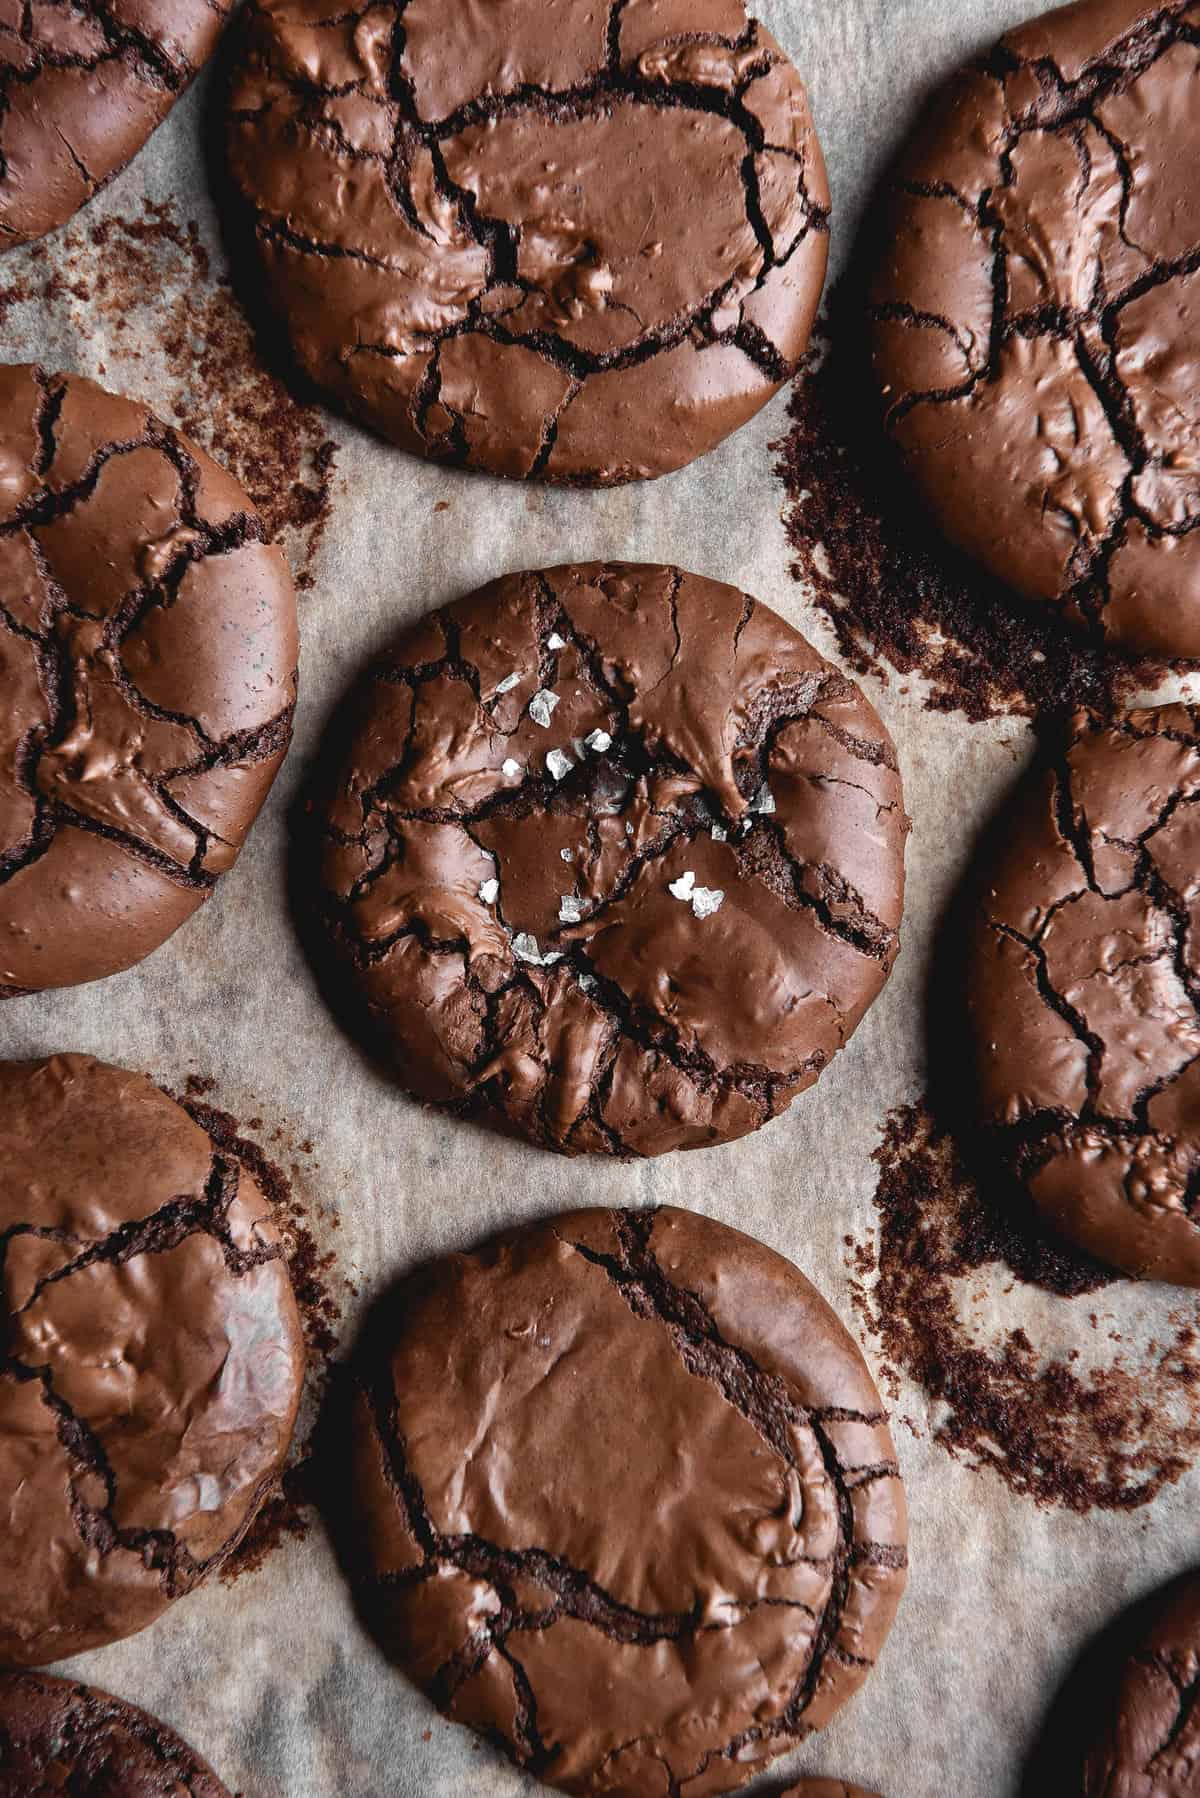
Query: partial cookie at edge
{"points": [[148, 656]]}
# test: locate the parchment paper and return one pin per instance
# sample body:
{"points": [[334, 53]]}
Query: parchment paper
{"points": [[271, 1677]]}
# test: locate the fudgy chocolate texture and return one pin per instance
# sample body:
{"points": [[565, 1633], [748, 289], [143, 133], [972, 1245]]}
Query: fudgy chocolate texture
{"points": [[563, 239], [1148, 1732], [148, 651], [59, 1737], [1037, 317], [1085, 990], [152, 1356], [628, 1501], [83, 83], [613, 859]]}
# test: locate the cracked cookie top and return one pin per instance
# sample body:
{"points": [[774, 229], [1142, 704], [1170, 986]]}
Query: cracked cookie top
{"points": [[148, 651], [61, 1736], [152, 1355], [1147, 1735], [612, 857], [83, 83], [627, 1500], [574, 241], [1037, 316], [1085, 990]]}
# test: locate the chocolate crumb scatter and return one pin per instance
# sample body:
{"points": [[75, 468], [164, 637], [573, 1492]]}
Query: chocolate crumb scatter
{"points": [[898, 596], [149, 285], [1109, 1436], [288, 1511]]}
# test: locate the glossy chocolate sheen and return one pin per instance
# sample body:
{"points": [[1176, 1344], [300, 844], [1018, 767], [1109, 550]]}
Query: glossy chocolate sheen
{"points": [[148, 651], [1147, 1741], [1037, 317], [628, 1501], [82, 86], [613, 859], [58, 1736], [1085, 990], [152, 1355], [559, 239]]}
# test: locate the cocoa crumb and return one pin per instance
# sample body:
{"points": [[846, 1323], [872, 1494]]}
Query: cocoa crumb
{"points": [[1110, 1435], [898, 597]]}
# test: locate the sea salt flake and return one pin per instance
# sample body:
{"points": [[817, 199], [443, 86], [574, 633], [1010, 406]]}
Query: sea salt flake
{"points": [[488, 891], [587, 983], [682, 888], [525, 948], [541, 706], [556, 642], [568, 855], [559, 764], [707, 900], [718, 833], [763, 801], [570, 909], [599, 742], [508, 683], [511, 768]]}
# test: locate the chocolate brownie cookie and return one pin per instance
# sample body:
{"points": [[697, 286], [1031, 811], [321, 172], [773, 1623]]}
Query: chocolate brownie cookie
{"points": [[563, 239], [83, 83], [1147, 1733], [1037, 314], [627, 1501], [1085, 990], [152, 1356], [826, 1788], [612, 859], [56, 1736], [147, 674]]}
